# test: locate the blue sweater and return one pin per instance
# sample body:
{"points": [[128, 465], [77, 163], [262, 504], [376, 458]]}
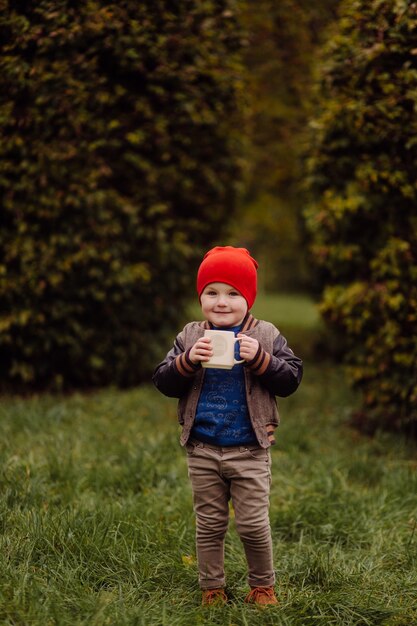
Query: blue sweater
{"points": [[222, 416]]}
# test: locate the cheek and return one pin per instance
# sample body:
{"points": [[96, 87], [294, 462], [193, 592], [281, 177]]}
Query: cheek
{"points": [[205, 305], [243, 306]]}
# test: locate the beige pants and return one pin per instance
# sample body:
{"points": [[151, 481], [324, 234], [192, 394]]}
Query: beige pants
{"points": [[242, 474]]}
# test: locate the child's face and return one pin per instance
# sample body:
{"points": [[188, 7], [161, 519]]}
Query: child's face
{"points": [[223, 305]]}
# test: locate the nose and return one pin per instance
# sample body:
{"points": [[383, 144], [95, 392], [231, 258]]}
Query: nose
{"points": [[221, 300]]}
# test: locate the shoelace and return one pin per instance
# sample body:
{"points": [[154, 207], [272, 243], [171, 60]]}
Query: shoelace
{"points": [[260, 591], [214, 594]]}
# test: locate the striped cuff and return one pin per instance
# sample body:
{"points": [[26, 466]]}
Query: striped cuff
{"points": [[185, 366], [260, 362], [270, 428]]}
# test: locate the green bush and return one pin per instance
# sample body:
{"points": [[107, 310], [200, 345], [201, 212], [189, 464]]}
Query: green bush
{"points": [[363, 219], [118, 164]]}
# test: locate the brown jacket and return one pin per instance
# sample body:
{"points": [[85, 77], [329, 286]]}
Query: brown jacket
{"points": [[275, 371]]}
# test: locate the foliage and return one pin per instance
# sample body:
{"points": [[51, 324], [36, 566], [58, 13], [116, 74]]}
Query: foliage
{"points": [[279, 59], [364, 217], [97, 524], [119, 163]]}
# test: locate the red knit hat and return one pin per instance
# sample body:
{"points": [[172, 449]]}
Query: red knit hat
{"points": [[233, 266]]}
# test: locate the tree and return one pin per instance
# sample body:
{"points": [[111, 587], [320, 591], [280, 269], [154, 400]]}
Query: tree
{"points": [[363, 219], [119, 161]]}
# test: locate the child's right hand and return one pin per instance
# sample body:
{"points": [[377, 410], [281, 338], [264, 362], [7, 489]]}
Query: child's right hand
{"points": [[201, 351]]}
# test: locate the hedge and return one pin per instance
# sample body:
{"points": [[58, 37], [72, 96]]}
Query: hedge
{"points": [[363, 219], [119, 164]]}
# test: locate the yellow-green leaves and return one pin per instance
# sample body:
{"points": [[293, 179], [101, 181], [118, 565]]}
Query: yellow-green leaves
{"points": [[118, 165], [363, 217]]}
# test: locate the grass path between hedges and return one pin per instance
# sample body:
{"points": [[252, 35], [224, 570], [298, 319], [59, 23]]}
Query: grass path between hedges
{"points": [[97, 525]]}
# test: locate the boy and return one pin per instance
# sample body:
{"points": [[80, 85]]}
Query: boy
{"points": [[228, 419]]}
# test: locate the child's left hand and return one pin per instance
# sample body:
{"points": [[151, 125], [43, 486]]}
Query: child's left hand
{"points": [[248, 347]]}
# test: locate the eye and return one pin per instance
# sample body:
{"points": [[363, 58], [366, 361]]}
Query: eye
{"points": [[234, 293]]}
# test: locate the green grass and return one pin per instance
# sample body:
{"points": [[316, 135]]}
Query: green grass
{"points": [[97, 525], [295, 310]]}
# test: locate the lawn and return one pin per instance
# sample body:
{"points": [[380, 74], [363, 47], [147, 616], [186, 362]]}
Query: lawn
{"points": [[97, 525]]}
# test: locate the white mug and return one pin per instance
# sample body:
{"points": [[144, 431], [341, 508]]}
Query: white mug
{"points": [[223, 344]]}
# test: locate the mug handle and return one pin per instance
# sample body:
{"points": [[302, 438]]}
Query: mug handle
{"points": [[242, 360]]}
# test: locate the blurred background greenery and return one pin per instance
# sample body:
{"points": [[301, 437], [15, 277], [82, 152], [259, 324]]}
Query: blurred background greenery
{"points": [[135, 136], [280, 57]]}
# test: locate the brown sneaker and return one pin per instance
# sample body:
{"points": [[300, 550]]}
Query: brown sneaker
{"points": [[263, 596], [214, 597]]}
